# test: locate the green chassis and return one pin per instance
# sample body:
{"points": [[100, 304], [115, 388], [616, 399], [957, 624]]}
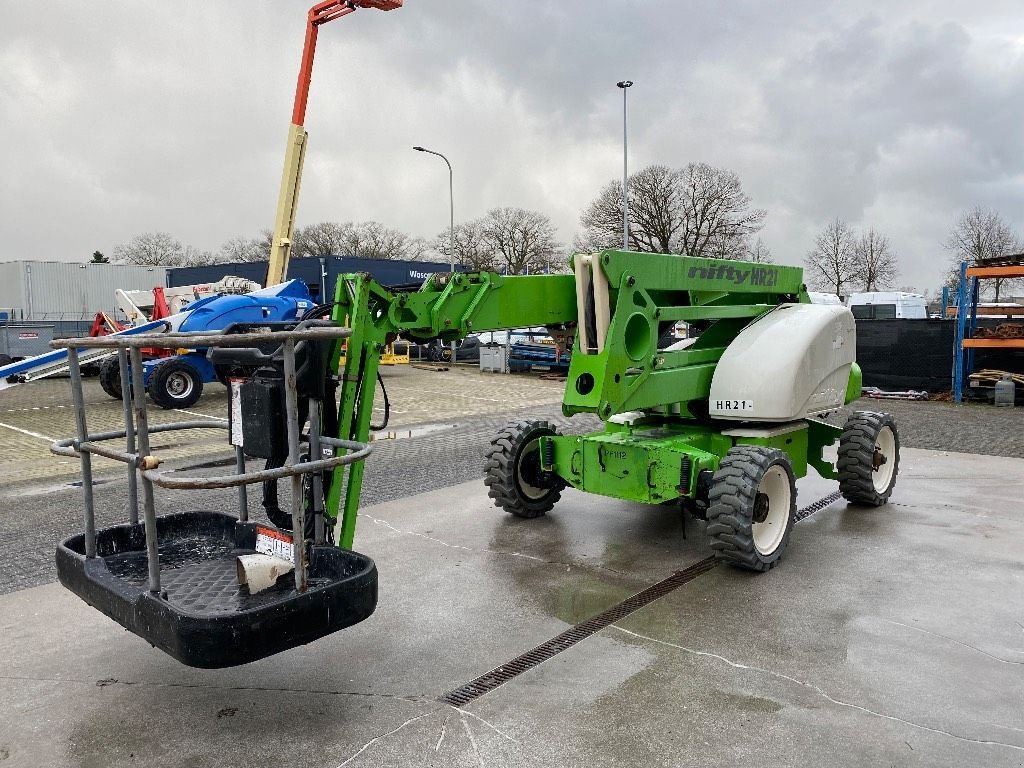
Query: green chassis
{"points": [[656, 459]]}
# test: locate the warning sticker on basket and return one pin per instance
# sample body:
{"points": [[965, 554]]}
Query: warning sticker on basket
{"points": [[275, 543]]}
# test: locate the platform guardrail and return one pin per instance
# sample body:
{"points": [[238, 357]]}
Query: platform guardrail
{"points": [[144, 466]]}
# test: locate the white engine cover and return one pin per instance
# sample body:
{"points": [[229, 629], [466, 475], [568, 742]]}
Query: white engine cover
{"points": [[791, 363]]}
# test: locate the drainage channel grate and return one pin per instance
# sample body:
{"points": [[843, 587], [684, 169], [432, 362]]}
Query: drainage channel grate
{"points": [[820, 504], [498, 676], [501, 675]]}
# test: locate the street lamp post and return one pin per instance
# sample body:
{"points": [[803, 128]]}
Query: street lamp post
{"points": [[451, 207], [624, 84], [451, 217]]}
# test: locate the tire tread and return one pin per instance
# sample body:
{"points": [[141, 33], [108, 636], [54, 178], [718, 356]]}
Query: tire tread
{"points": [[500, 469], [731, 505], [856, 452]]}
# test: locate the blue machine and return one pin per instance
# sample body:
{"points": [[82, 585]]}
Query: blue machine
{"points": [[177, 382]]}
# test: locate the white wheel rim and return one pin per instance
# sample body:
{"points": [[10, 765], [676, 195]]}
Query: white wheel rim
{"points": [[885, 446], [768, 534], [530, 491], [179, 385]]}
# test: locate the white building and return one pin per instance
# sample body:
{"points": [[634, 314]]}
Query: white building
{"points": [[55, 290]]}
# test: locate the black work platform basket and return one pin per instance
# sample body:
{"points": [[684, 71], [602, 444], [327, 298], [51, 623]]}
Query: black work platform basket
{"points": [[174, 579], [202, 616]]}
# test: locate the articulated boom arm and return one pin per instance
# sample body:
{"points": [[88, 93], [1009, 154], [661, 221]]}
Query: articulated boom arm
{"points": [[448, 306], [629, 301], [621, 302]]}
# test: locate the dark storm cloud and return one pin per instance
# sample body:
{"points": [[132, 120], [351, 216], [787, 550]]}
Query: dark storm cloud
{"points": [[122, 117]]}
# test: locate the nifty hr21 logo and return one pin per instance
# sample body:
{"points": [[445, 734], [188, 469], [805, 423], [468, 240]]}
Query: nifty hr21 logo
{"points": [[762, 276]]}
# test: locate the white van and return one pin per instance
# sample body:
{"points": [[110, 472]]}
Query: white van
{"points": [[817, 297], [888, 305]]}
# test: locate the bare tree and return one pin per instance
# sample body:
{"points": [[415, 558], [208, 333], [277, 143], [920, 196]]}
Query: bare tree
{"points": [[373, 240], [759, 253], [874, 262], [159, 249], [831, 262], [978, 235], [655, 213], [151, 249], [247, 248], [327, 238], [472, 248], [417, 249], [367, 240], [698, 210], [522, 240], [196, 257], [719, 221]]}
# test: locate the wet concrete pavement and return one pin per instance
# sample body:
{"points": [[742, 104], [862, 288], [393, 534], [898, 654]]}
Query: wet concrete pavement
{"points": [[886, 637]]}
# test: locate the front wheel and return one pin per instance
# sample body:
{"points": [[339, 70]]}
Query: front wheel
{"points": [[869, 458], [175, 383], [752, 507], [513, 474]]}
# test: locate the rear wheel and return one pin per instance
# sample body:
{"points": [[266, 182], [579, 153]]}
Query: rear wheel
{"points": [[513, 474], [869, 458], [110, 377], [175, 383], [752, 507]]}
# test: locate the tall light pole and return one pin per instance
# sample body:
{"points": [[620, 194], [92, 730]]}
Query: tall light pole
{"points": [[624, 84], [451, 218], [451, 206]]}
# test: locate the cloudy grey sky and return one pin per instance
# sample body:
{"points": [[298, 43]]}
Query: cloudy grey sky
{"points": [[122, 117]]}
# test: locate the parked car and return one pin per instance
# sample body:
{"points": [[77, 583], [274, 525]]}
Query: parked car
{"points": [[436, 351], [517, 336]]}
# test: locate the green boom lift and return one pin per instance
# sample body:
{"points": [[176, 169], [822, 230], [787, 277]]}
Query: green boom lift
{"points": [[722, 423]]}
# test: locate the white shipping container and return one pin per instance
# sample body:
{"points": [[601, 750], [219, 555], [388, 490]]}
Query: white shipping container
{"points": [[54, 290]]}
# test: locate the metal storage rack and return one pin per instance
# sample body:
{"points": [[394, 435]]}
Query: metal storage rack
{"points": [[967, 316]]}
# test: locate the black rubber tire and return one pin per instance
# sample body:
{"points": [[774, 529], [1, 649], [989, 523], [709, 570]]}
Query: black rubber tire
{"points": [[441, 353], [731, 507], [110, 377], [514, 450], [164, 378], [857, 447]]}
